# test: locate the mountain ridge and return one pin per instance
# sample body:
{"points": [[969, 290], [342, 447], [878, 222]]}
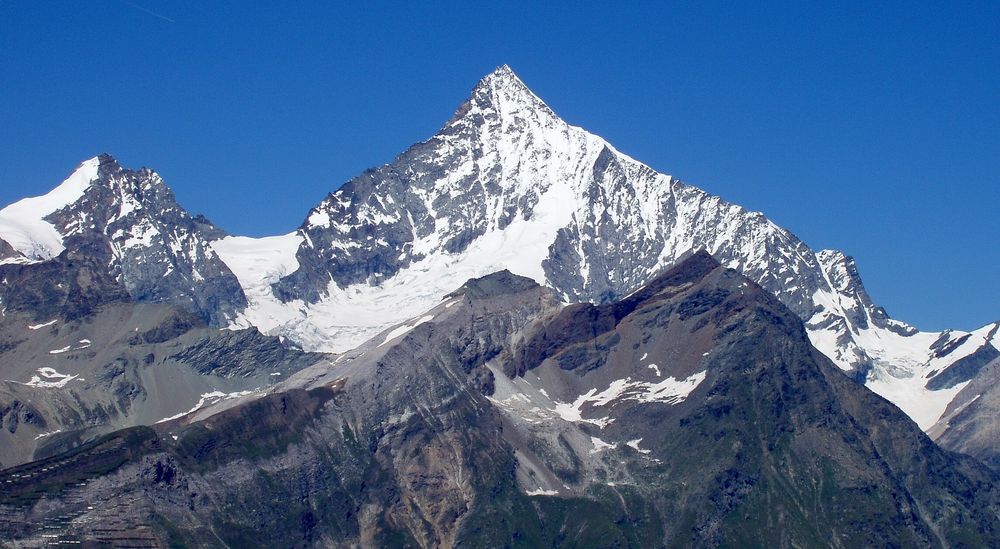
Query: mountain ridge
{"points": [[506, 184], [704, 417]]}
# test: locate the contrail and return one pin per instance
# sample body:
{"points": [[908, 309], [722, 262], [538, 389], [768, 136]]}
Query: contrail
{"points": [[151, 12]]}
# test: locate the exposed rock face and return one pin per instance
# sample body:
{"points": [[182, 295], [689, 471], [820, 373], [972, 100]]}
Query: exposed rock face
{"points": [[971, 424], [507, 184], [694, 412], [131, 223], [8, 253]]}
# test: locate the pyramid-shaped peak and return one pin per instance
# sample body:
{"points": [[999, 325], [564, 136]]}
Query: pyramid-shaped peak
{"points": [[503, 81], [504, 93], [503, 73]]}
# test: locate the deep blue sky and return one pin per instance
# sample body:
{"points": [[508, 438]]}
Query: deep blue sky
{"points": [[872, 129]]}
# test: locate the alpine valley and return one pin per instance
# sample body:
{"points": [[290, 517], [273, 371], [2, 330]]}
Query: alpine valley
{"points": [[511, 335]]}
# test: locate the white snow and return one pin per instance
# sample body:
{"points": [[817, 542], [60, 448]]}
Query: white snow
{"points": [[923, 406], [319, 219], [22, 224], [47, 378], [634, 444], [62, 350], [259, 262], [398, 331], [43, 325], [541, 492], [656, 370], [48, 434], [572, 412], [208, 399], [902, 364], [600, 445], [669, 391]]}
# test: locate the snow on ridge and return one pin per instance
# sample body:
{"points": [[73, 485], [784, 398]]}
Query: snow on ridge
{"points": [[22, 223], [209, 398], [43, 324], [396, 332]]}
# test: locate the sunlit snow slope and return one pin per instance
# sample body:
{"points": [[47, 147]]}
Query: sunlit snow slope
{"points": [[23, 225], [507, 184]]}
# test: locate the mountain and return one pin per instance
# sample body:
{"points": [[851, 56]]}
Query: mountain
{"points": [[507, 184], [113, 303], [694, 412], [129, 224]]}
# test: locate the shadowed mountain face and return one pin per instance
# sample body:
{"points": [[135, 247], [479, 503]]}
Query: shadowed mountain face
{"points": [[971, 424], [694, 412]]}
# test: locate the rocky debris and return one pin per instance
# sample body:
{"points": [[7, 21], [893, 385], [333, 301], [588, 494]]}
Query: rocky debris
{"points": [[972, 421], [66, 381]]}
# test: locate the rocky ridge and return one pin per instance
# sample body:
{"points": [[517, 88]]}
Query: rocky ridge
{"points": [[694, 413]]}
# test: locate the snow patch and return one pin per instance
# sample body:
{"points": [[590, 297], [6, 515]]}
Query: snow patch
{"points": [[208, 399], [48, 434], [634, 444], [43, 325], [396, 332], [600, 445], [47, 378]]}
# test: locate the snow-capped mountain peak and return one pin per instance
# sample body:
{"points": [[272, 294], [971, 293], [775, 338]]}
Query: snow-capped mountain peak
{"points": [[505, 184], [23, 224], [129, 220], [502, 98]]}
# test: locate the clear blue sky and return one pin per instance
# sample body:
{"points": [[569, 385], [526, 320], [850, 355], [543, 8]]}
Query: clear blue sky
{"points": [[872, 129]]}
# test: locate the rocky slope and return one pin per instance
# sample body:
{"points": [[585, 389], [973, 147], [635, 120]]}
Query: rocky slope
{"points": [[65, 382], [129, 222], [507, 184], [112, 298], [970, 424], [694, 412]]}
